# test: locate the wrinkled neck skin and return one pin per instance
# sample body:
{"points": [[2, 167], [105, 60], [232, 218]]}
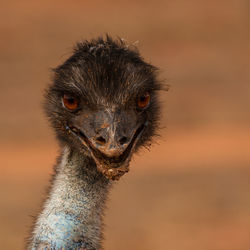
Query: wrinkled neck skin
{"points": [[72, 214]]}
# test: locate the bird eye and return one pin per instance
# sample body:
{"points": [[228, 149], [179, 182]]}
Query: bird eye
{"points": [[70, 102], [143, 101]]}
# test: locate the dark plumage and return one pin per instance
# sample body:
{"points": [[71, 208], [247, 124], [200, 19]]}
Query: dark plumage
{"points": [[103, 106]]}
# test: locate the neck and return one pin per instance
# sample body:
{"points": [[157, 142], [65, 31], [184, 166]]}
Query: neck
{"points": [[72, 214]]}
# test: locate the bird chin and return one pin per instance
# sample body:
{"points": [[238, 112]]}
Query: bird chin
{"points": [[111, 170]]}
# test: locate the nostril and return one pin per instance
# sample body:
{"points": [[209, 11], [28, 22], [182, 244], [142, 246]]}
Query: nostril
{"points": [[100, 140], [123, 140]]}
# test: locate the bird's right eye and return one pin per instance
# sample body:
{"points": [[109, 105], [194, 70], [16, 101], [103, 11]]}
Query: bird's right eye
{"points": [[70, 102]]}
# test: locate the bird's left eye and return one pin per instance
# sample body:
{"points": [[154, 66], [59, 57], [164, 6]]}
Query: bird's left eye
{"points": [[143, 101], [70, 102]]}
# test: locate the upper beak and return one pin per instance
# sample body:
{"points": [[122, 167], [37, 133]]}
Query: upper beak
{"points": [[110, 132]]}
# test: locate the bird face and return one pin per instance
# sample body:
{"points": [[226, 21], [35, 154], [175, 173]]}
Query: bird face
{"points": [[110, 134], [103, 103]]}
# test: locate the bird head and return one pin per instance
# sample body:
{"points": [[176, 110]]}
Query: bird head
{"points": [[103, 103]]}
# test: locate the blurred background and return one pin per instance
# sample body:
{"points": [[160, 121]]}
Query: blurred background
{"points": [[191, 191]]}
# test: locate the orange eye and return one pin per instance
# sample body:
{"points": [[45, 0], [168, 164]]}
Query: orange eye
{"points": [[143, 101], [70, 102]]}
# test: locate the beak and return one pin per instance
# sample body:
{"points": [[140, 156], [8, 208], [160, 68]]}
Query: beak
{"points": [[110, 132], [111, 138]]}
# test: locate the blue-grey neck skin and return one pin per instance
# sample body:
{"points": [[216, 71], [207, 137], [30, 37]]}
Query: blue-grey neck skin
{"points": [[72, 214]]}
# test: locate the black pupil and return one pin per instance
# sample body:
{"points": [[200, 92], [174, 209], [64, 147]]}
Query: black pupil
{"points": [[143, 98], [71, 100]]}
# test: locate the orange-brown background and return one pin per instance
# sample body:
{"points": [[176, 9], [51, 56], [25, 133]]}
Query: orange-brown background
{"points": [[191, 191]]}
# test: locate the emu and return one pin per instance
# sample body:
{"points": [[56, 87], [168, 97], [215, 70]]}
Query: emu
{"points": [[103, 105]]}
